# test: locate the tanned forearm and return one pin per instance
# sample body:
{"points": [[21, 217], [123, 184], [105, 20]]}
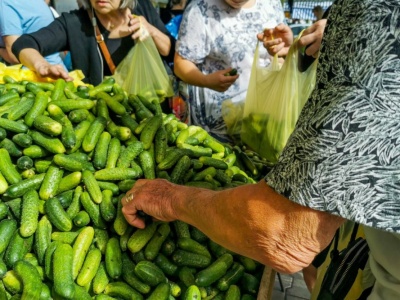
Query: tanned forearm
{"points": [[31, 58], [256, 222]]}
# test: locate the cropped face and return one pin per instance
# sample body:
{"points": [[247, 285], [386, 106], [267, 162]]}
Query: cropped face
{"points": [[105, 6], [237, 3]]}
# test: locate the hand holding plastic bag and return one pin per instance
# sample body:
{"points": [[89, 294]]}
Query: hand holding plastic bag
{"points": [[142, 72], [275, 98]]}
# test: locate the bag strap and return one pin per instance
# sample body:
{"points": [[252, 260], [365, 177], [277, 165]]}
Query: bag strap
{"points": [[101, 43], [354, 233], [352, 238], [335, 251]]}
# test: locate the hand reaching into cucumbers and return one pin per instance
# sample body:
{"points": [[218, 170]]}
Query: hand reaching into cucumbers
{"points": [[151, 197], [250, 220], [32, 59]]}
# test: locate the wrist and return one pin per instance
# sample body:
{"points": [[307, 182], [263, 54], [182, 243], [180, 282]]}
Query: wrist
{"points": [[40, 64]]}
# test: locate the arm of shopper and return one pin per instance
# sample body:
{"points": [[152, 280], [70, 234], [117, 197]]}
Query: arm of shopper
{"points": [[31, 48], [34, 61], [188, 72], [166, 48], [7, 53], [5, 56], [252, 220]]}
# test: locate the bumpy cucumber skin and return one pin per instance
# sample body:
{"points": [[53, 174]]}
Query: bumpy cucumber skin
{"points": [[57, 215], [29, 214], [30, 279], [62, 271]]}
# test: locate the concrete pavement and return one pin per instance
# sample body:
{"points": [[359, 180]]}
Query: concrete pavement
{"points": [[293, 288]]}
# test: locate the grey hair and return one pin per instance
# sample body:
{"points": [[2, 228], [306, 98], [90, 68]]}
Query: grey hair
{"points": [[124, 3]]}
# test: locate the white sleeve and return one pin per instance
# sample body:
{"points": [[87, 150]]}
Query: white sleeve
{"points": [[191, 43]]}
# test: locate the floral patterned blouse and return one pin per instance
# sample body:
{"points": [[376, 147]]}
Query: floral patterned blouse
{"points": [[344, 154], [215, 36]]}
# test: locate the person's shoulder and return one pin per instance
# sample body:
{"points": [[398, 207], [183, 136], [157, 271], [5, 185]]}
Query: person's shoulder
{"points": [[202, 5]]}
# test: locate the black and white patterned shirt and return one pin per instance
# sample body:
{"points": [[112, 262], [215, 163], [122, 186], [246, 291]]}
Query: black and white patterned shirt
{"points": [[344, 154]]}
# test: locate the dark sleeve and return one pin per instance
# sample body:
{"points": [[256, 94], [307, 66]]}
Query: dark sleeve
{"points": [[48, 40], [326, 13], [146, 9]]}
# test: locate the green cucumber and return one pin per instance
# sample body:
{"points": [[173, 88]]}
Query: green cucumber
{"points": [[160, 292], [214, 271], [29, 213], [129, 276], [113, 258], [190, 259], [141, 237], [57, 215], [62, 271], [30, 279], [149, 273]]}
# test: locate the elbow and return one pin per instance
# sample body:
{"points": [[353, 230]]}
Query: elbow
{"points": [[165, 51], [289, 269], [285, 263], [286, 257], [178, 71], [288, 266]]}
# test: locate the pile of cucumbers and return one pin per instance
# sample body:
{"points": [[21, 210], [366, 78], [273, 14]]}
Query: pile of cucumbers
{"points": [[67, 156]]}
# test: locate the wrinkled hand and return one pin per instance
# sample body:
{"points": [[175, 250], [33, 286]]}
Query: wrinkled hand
{"points": [[153, 197], [277, 40], [219, 82], [44, 69], [140, 27], [312, 37]]}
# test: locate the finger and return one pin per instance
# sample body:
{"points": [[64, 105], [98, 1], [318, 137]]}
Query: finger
{"points": [[275, 49], [135, 35], [308, 30], [67, 77], [281, 26], [268, 33], [139, 183], [135, 221], [313, 50], [273, 42], [306, 40]]}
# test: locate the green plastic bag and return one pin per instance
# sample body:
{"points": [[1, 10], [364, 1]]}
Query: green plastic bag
{"points": [[142, 72], [275, 97]]}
